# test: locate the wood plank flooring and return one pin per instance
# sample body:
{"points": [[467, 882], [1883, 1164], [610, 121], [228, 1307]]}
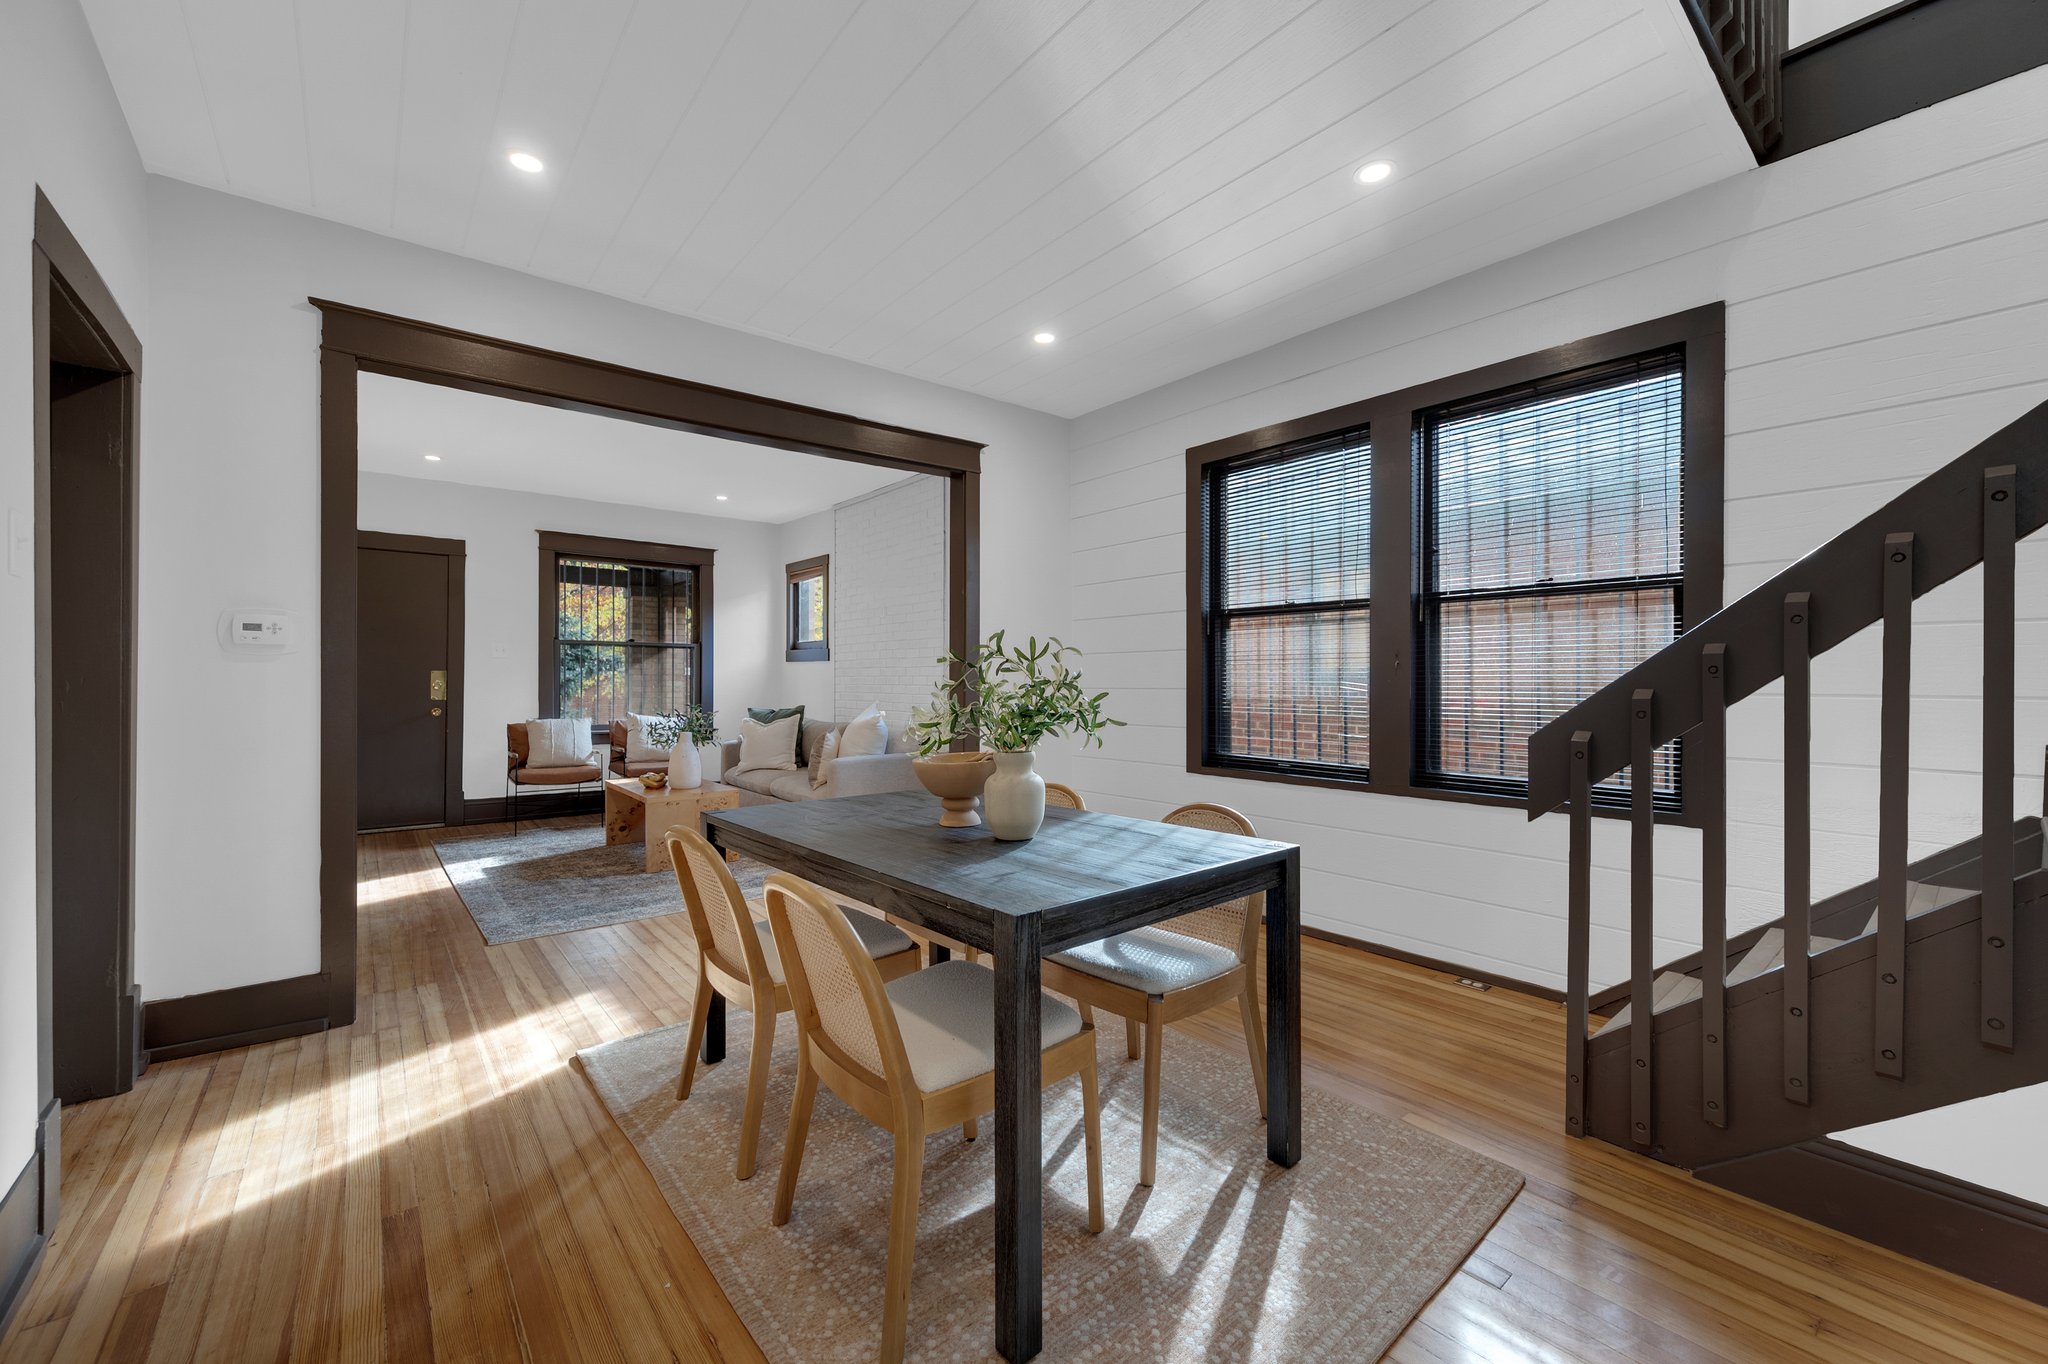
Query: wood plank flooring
{"points": [[436, 1183]]}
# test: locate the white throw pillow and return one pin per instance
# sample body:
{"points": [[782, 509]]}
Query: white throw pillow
{"points": [[821, 765], [558, 743], [865, 735], [639, 748], [770, 747]]}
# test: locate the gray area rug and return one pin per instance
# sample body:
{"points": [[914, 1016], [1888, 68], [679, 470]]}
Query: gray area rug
{"points": [[559, 876], [1226, 1258]]}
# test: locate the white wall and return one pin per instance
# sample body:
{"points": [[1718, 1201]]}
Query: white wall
{"points": [[889, 599], [66, 134], [231, 416], [501, 648], [1887, 307], [807, 684]]}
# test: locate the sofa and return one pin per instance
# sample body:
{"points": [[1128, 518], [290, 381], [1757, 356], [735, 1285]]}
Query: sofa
{"points": [[863, 776]]}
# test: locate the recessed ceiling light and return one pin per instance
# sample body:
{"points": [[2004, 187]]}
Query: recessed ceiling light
{"points": [[1372, 172], [527, 162], [722, 497], [1044, 338], [435, 458]]}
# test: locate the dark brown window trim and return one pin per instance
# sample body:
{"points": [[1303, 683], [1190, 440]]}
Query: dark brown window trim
{"points": [[1397, 574], [554, 544], [815, 650]]}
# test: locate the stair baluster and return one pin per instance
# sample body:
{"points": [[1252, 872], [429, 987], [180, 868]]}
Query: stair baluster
{"points": [[1579, 936], [1798, 626], [1707, 790], [1995, 974], [1894, 764], [1642, 941]]}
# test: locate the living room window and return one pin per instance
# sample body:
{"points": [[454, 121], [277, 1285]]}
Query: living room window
{"points": [[1544, 524], [808, 610], [624, 626]]}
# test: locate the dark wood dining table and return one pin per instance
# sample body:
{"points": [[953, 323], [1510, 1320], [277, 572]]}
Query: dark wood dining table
{"points": [[1085, 876]]}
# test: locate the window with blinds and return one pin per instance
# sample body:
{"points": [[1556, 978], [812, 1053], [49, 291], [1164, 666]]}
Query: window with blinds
{"points": [[1553, 561], [1289, 606], [626, 637]]}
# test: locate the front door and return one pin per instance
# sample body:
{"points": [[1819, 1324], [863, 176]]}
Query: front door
{"points": [[407, 676]]}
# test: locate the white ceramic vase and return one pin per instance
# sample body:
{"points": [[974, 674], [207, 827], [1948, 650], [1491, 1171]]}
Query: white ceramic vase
{"points": [[685, 766], [1013, 802]]}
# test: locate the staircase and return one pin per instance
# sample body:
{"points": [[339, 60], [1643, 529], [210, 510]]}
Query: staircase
{"points": [[1923, 987]]}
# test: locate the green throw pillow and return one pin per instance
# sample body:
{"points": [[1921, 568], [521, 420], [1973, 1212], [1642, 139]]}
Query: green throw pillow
{"points": [[761, 715]]}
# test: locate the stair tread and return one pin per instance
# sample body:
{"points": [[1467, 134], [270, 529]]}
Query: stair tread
{"points": [[1668, 991]]}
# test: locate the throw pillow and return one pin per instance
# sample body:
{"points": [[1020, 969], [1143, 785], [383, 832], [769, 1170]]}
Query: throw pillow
{"points": [[639, 748], [769, 716], [558, 743], [768, 747], [865, 735], [821, 770]]}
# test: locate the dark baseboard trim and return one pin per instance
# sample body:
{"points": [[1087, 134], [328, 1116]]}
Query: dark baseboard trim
{"points": [[1981, 1234], [240, 1016], [26, 1220], [551, 805], [1449, 968]]}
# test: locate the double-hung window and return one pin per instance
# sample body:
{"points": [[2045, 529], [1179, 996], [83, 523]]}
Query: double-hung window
{"points": [[1529, 531], [1552, 560], [624, 627], [1290, 618]]}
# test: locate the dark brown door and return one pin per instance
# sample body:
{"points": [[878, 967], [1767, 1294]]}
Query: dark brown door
{"points": [[408, 677]]}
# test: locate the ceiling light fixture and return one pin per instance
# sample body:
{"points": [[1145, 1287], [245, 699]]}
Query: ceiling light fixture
{"points": [[723, 498], [435, 458], [1044, 338], [1372, 172], [527, 162]]}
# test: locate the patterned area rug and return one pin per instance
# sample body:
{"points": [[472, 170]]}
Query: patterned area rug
{"points": [[1226, 1258], [557, 877]]}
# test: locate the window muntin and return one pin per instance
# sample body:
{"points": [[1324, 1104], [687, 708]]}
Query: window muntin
{"points": [[1289, 623], [1552, 561], [626, 637]]}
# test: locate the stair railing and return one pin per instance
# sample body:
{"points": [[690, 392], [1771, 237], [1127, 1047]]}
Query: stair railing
{"points": [[1970, 512]]}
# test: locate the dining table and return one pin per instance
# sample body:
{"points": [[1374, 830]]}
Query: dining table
{"points": [[1085, 876]]}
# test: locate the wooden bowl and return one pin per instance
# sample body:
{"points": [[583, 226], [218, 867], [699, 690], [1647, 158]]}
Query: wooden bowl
{"points": [[654, 781], [956, 779]]}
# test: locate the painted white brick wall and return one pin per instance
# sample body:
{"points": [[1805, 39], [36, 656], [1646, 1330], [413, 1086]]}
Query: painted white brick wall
{"points": [[888, 599]]}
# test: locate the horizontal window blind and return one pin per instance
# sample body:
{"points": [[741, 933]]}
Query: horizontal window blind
{"points": [[625, 637], [1289, 605], [1553, 560]]}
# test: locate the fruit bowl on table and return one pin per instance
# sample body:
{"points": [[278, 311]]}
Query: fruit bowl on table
{"points": [[654, 781]]}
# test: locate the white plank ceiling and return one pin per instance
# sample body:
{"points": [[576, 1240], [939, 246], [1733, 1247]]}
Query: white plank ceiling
{"points": [[923, 184]]}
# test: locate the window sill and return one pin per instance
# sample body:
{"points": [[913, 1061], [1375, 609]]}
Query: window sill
{"points": [[808, 653], [1365, 785]]}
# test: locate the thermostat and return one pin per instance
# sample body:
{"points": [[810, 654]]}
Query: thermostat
{"points": [[250, 633]]}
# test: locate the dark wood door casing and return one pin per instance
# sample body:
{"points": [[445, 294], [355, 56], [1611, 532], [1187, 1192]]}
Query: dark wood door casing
{"points": [[354, 340]]}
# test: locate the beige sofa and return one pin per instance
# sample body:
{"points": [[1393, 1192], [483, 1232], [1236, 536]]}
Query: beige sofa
{"points": [[863, 776]]}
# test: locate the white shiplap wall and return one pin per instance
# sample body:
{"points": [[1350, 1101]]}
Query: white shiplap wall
{"points": [[1887, 306]]}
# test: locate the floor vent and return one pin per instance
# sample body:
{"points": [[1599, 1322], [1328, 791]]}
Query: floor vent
{"points": [[1472, 984]]}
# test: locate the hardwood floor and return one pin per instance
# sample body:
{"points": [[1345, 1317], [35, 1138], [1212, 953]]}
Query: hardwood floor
{"points": [[436, 1182]]}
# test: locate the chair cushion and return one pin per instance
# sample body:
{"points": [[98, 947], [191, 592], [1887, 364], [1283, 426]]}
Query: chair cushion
{"points": [[947, 1014], [556, 776], [1157, 961], [879, 938]]}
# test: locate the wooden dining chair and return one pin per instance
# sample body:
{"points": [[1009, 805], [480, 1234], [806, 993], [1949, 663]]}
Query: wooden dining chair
{"points": [[738, 958], [1164, 972], [1065, 797], [913, 1056]]}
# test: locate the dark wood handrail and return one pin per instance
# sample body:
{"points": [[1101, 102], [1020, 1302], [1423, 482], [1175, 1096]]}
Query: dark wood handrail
{"points": [[1944, 512]]}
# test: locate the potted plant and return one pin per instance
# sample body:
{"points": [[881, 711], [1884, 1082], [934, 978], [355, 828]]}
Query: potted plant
{"points": [[1010, 697], [682, 732]]}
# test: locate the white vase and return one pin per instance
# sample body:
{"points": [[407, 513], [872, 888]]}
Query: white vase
{"points": [[1013, 802], [685, 767]]}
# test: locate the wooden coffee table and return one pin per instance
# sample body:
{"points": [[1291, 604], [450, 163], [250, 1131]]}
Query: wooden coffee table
{"points": [[631, 811]]}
